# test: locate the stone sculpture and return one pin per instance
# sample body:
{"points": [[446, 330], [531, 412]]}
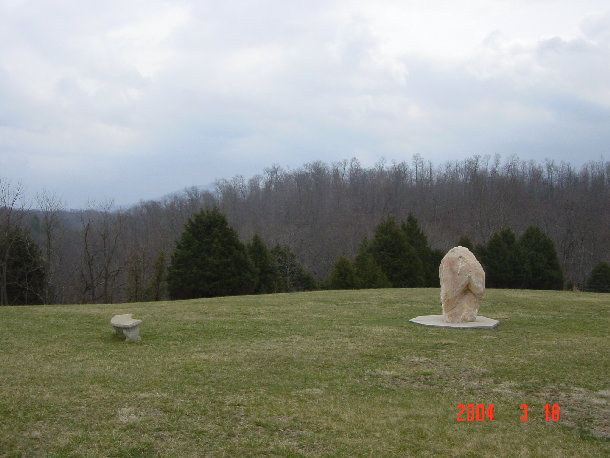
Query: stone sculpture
{"points": [[462, 285]]}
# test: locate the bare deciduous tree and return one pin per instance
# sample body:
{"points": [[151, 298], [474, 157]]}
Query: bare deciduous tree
{"points": [[52, 208], [101, 231], [12, 212]]}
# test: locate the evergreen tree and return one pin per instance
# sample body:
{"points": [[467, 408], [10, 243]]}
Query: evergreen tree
{"points": [[599, 280], [267, 278], [397, 259], [292, 276], [541, 269], [209, 260], [368, 271], [418, 240], [501, 260], [343, 275], [437, 257], [25, 273], [466, 243]]}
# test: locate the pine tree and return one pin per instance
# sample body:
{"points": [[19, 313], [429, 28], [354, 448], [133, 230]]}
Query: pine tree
{"points": [[418, 240], [541, 269], [343, 275], [599, 280], [292, 276], [397, 259], [209, 260], [267, 278], [437, 257], [25, 273], [466, 243], [501, 260], [368, 271]]}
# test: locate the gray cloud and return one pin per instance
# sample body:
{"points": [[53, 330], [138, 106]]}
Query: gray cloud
{"points": [[135, 100]]}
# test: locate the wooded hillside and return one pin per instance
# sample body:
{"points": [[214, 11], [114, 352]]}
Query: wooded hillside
{"points": [[323, 211], [320, 211]]}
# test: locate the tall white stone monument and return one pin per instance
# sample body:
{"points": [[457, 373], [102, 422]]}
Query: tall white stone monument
{"points": [[462, 285], [462, 289]]}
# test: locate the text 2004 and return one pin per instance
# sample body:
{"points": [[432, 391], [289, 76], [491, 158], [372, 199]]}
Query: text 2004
{"points": [[478, 412]]}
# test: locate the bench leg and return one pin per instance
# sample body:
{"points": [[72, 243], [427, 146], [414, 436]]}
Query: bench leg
{"points": [[132, 334]]}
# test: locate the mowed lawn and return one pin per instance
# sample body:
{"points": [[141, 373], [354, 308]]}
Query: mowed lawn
{"points": [[328, 373]]}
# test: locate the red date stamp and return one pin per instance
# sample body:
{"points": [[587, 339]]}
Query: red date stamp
{"points": [[551, 412], [480, 412]]}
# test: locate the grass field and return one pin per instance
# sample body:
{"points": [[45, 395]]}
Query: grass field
{"points": [[332, 373]]}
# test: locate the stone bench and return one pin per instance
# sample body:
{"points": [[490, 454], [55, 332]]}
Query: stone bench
{"points": [[126, 326]]}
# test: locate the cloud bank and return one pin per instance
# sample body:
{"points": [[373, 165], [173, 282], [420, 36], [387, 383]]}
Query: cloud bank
{"points": [[132, 100]]}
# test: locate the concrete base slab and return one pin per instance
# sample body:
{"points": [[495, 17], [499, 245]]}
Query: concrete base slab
{"points": [[439, 321]]}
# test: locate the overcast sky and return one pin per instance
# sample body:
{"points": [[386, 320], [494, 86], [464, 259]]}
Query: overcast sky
{"points": [[131, 100]]}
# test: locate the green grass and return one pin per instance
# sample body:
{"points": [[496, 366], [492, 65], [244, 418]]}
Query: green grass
{"points": [[324, 373]]}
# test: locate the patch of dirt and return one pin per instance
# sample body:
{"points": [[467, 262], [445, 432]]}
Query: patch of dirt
{"points": [[127, 415], [422, 372], [590, 410], [508, 389], [580, 408], [309, 392]]}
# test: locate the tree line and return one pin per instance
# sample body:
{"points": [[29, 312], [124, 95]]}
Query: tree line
{"points": [[315, 214], [209, 260], [399, 256]]}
